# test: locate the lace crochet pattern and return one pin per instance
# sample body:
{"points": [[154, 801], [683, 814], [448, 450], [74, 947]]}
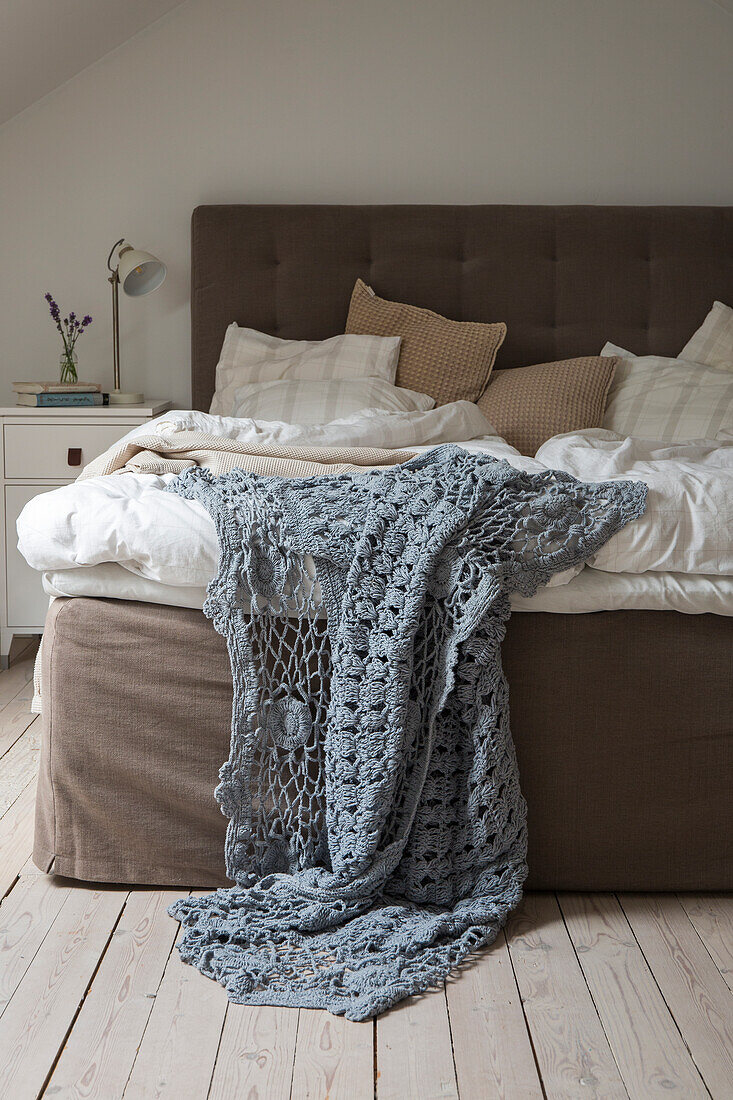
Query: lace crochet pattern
{"points": [[377, 832]]}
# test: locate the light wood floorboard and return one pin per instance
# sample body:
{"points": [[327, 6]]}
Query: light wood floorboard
{"points": [[583, 996], [689, 981], [334, 1057], [16, 692], [42, 1009], [712, 917], [649, 1050], [256, 1054], [16, 836], [414, 1050], [98, 1056], [19, 766], [26, 916], [570, 1045], [491, 1044], [180, 1043]]}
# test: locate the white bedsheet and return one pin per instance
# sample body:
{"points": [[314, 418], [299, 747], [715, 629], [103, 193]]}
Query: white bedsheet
{"points": [[591, 590]]}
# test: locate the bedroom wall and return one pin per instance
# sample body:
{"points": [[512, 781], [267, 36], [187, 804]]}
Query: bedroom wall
{"points": [[576, 101]]}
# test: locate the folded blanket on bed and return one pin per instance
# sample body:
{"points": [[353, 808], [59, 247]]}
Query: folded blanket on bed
{"points": [[384, 836], [178, 451]]}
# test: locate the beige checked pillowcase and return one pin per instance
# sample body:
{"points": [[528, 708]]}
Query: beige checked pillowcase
{"points": [[249, 356], [450, 360], [296, 401], [529, 405], [712, 344], [653, 397]]}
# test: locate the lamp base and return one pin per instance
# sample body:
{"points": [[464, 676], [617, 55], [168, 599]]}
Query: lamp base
{"points": [[116, 397]]}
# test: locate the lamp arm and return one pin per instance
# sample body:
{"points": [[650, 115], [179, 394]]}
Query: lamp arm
{"points": [[114, 246], [114, 279]]}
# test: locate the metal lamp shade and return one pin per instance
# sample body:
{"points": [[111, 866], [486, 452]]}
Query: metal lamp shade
{"points": [[140, 272]]}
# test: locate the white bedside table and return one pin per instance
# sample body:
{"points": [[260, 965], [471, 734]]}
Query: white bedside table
{"points": [[42, 449]]}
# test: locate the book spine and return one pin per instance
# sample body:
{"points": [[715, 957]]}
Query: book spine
{"points": [[56, 400], [57, 387]]}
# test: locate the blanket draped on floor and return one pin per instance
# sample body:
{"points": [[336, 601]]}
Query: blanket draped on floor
{"points": [[377, 832]]}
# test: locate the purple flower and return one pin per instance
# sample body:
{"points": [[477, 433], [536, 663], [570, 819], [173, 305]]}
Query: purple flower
{"points": [[53, 309], [70, 327]]}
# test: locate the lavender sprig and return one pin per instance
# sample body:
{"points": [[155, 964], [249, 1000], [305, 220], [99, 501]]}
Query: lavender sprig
{"points": [[70, 327]]}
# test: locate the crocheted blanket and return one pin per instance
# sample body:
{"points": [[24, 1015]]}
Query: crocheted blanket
{"points": [[377, 833]]}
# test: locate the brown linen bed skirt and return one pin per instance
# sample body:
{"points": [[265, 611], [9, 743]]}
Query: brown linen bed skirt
{"points": [[623, 723]]}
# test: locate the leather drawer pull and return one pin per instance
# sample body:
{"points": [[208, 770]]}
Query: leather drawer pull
{"points": [[74, 456]]}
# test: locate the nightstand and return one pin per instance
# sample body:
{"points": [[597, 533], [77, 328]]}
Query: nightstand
{"points": [[42, 449]]}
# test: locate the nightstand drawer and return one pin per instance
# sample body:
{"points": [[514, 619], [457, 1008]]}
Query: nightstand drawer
{"points": [[56, 450]]}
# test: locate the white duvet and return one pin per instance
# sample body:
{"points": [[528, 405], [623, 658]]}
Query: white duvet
{"points": [[688, 523], [162, 538]]}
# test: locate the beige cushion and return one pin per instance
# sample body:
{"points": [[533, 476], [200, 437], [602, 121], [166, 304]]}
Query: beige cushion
{"points": [[528, 405], [712, 344], [450, 360]]}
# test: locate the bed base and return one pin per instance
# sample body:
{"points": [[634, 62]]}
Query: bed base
{"points": [[622, 723]]}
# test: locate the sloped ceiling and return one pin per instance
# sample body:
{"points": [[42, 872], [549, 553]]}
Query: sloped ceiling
{"points": [[43, 43]]}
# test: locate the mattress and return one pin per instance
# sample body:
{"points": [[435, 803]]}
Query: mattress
{"points": [[592, 590]]}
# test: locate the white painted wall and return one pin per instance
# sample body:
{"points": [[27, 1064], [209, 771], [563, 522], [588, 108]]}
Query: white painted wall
{"points": [[599, 101], [44, 43]]}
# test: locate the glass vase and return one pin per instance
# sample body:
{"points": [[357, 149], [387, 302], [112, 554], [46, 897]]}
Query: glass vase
{"points": [[67, 367]]}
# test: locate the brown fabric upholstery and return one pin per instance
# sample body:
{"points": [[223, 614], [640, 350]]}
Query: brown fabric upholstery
{"points": [[448, 360], [132, 744], [529, 405], [565, 279], [625, 762]]}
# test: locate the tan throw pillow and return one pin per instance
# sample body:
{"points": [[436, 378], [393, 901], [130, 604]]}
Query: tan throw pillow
{"points": [[449, 360], [528, 405]]}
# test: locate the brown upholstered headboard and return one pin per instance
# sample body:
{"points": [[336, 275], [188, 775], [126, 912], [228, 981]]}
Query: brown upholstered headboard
{"points": [[564, 278]]}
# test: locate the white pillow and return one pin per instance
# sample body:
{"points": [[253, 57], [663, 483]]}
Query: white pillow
{"points": [[251, 356], [292, 401], [689, 508], [671, 399], [712, 344]]}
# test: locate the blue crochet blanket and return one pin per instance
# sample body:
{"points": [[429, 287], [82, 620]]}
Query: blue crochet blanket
{"points": [[377, 832]]}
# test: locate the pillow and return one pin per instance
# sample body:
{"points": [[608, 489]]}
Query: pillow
{"points": [[712, 344], [528, 405], [450, 360], [307, 402], [251, 356], [668, 399]]}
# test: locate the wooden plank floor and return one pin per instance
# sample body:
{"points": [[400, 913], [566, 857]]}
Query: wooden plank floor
{"points": [[583, 995]]}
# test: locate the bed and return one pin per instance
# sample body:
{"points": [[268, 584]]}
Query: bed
{"points": [[137, 695]]}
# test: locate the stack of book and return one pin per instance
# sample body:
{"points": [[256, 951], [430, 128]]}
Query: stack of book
{"points": [[50, 395]]}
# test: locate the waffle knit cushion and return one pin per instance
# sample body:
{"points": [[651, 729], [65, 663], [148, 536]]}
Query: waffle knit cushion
{"points": [[449, 360], [528, 405]]}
